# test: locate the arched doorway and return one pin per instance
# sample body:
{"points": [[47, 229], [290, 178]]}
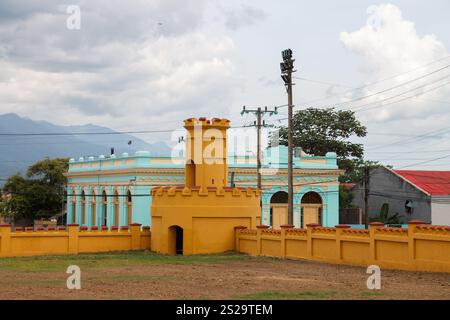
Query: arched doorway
{"points": [[116, 208], [311, 208], [129, 208], [94, 209], [74, 207], [83, 208], [176, 240], [104, 209], [278, 209]]}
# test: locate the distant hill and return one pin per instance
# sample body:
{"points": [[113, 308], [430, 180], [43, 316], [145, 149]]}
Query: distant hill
{"points": [[18, 152]]}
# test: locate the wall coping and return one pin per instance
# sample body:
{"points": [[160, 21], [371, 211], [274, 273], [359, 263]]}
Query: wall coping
{"points": [[342, 226], [186, 191], [313, 225], [416, 222]]}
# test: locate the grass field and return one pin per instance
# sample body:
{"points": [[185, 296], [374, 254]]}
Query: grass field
{"points": [[145, 275]]}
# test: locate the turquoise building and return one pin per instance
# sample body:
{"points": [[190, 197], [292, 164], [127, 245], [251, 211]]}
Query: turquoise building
{"points": [[115, 190]]}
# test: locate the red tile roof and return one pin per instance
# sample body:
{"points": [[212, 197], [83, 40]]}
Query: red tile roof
{"points": [[347, 185], [432, 182]]}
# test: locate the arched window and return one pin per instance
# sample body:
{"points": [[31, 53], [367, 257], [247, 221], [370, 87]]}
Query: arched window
{"points": [[74, 206], [116, 208], [104, 209], [279, 197], [94, 208], [129, 208], [83, 208], [312, 198]]}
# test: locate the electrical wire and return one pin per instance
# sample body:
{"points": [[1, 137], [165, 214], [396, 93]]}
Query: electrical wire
{"points": [[396, 86], [342, 94], [423, 162], [362, 107]]}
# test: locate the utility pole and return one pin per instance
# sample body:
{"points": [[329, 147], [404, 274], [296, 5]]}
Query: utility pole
{"points": [[259, 123], [366, 194], [287, 68]]}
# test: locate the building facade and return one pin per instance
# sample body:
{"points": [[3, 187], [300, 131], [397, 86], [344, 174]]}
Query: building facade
{"points": [[116, 190]]}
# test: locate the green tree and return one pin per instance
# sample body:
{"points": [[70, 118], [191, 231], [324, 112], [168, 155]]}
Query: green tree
{"points": [[14, 199], [39, 194], [318, 131], [345, 198], [354, 169]]}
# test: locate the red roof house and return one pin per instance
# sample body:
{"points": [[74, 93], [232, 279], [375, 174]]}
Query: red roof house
{"points": [[413, 194], [432, 182]]}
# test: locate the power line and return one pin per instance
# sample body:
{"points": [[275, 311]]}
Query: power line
{"points": [[376, 82], [427, 151], [420, 136], [259, 123], [325, 192], [362, 107], [427, 161], [402, 159], [396, 86], [98, 133], [323, 82], [412, 70], [436, 164], [83, 133]]}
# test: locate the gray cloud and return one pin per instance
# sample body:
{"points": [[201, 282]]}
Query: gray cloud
{"points": [[242, 16], [129, 61], [147, 64], [36, 35]]}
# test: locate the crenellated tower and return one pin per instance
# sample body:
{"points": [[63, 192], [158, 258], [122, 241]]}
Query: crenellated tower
{"points": [[200, 216], [206, 152]]}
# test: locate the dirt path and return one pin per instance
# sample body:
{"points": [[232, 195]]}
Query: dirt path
{"points": [[244, 278]]}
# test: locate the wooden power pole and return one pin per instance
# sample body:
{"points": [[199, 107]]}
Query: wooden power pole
{"points": [[259, 123], [287, 68], [366, 195]]}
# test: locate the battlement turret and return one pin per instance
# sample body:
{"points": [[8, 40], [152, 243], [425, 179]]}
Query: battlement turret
{"points": [[206, 152]]}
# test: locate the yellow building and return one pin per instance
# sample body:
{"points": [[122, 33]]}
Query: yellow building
{"points": [[200, 216]]}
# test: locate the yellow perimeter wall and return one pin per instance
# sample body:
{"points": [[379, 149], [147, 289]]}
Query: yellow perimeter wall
{"points": [[420, 247], [72, 241]]}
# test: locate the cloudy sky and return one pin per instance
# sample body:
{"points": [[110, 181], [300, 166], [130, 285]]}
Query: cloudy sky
{"points": [[146, 65]]}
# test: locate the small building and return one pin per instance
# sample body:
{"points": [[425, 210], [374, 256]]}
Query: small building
{"points": [[116, 189], [413, 194]]}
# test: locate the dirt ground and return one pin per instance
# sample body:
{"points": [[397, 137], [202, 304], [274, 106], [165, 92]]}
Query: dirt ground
{"points": [[144, 275]]}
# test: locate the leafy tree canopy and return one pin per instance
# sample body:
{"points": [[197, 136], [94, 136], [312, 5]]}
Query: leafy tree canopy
{"points": [[39, 194], [318, 131]]}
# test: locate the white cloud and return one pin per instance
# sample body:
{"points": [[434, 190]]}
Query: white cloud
{"points": [[391, 46]]}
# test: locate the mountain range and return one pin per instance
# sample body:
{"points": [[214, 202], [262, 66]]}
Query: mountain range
{"points": [[18, 149]]}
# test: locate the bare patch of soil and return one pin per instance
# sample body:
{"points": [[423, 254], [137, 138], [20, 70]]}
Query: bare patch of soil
{"points": [[242, 278]]}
